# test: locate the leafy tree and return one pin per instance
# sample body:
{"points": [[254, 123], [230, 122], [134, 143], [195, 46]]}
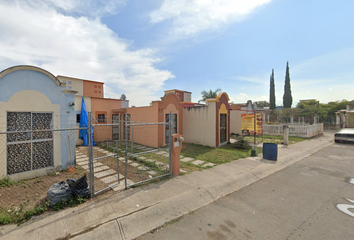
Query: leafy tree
{"points": [[287, 98], [272, 92], [332, 107], [210, 94], [262, 104], [285, 114], [308, 108], [123, 97]]}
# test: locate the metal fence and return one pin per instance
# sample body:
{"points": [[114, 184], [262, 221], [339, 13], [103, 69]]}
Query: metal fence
{"points": [[29, 153], [119, 154], [145, 141], [126, 153]]}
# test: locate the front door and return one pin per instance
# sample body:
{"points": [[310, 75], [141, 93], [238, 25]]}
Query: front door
{"points": [[174, 127], [115, 127], [223, 127], [126, 130]]}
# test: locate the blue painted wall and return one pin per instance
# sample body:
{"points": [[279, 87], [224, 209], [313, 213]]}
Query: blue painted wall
{"points": [[22, 80]]}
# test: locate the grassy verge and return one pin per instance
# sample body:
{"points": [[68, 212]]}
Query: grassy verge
{"points": [[207, 154], [20, 214], [271, 139], [220, 155]]}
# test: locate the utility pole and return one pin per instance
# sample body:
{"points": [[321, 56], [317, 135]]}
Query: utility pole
{"points": [[254, 150]]}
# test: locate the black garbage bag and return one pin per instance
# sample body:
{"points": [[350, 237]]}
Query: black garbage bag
{"points": [[57, 192], [79, 187]]}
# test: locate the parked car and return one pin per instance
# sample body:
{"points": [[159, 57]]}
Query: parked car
{"points": [[344, 135]]}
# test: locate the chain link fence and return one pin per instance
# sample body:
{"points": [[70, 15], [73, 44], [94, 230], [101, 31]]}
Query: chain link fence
{"points": [[27, 151], [124, 152], [119, 154]]}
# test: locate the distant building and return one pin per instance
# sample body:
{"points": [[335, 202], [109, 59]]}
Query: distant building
{"points": [[104, 110]]}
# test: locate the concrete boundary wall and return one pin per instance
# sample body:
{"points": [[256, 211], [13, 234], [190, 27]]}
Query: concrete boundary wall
{"points": [[306, 131], [235, 122], [199, 125]]}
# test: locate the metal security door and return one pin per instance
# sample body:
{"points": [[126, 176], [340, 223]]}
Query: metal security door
{"points": [[29, 148], [223, 127], [115, 127], [174, 127], [126, 127]]}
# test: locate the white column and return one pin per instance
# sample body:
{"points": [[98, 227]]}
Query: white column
{"points": [[286, 134]]}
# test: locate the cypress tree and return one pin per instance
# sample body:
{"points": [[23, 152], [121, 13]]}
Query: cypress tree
{"points": [[287, 98], [272, 91]]}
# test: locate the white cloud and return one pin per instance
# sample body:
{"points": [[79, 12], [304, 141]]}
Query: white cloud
{"points": [[85, 7], [78, 47], [242, 97], [254, 79], [193, 16]]}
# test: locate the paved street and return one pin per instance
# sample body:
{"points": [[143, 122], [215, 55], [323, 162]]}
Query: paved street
{"points": [[298, 202]]}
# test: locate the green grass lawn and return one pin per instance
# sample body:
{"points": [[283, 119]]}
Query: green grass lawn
{"points": [[207, 154], [220, 155], [271, 139]]}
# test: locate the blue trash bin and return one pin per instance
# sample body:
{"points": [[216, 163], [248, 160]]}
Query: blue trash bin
{"points": [[270, 151]]}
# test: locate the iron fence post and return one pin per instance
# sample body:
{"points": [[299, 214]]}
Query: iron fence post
{"points": [[119, 129], [117, 159], [132, 138], [171, 142], [90, 143], [126, 150]]}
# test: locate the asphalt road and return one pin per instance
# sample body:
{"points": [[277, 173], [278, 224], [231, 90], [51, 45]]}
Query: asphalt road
{"points": [[298, 202]]}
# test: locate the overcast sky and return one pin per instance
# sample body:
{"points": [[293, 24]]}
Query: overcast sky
{"points": [[143, 47]]}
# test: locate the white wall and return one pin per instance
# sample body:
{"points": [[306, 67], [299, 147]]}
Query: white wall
{"points": [[125, 104], [235, 122], [199, 125], [78, 103], [76, 84], [187, 97]]}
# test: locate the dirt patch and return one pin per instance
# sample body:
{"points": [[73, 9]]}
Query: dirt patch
{"points": [[32, 192]]}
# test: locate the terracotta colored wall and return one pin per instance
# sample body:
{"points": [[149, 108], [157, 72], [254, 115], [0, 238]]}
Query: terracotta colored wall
{"points": [[103, 106], [93, 89], [170, 103], [180, 95], [146, 134], [235, 106], [154, 135]]}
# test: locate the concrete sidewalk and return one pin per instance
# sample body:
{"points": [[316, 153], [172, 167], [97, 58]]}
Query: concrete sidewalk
{"points": [[131, 213]]}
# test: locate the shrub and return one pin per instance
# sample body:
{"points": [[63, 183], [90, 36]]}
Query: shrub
{"points": [[241, 143]]}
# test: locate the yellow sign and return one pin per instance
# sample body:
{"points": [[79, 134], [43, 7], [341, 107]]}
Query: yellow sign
{"points": [[247, 121]]}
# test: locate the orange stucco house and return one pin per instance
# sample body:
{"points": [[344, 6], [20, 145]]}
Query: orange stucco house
{"points": [[207, 124], [158, 111], [103, 109]]}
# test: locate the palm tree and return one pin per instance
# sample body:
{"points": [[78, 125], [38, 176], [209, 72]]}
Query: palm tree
{"points": [[210, 94]]}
